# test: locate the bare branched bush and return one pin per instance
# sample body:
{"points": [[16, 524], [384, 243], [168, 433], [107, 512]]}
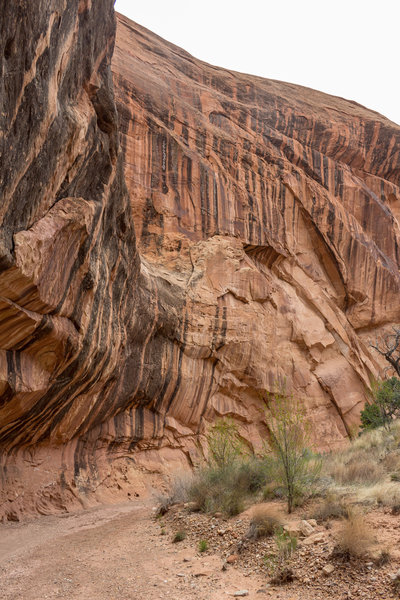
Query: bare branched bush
{"points": [[179, 492]]}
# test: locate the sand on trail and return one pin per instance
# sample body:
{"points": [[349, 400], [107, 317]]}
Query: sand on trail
{"points": [[110, 552]]}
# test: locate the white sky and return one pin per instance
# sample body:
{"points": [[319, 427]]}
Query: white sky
{"points": [[349, 48]]}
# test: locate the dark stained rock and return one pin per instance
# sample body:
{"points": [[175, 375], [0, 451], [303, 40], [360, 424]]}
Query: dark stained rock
{"points": [[267, 228]]}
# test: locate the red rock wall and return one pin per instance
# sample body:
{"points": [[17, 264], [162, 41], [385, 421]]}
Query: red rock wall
{"points": [[272, 209], [265, 216]]}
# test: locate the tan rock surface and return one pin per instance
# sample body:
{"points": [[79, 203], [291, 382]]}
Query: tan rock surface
{"points": [[266, 221]]}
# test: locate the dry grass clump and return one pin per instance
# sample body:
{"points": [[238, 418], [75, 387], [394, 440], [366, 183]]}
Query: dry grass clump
{"points": [[179, 492], [355, 538], [369, 461], [391, 462], [359, 470], [332, 507], [265, 521], [386, 493]]}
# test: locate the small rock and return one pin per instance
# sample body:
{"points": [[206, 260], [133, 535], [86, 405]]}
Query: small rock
{"points": [[232, 559], [180, 574], [292, 529], [241, 593], [306, 529], [218, 515], [316, 538], [202, 572], [192, 506], [328, 569], [395, 576]]}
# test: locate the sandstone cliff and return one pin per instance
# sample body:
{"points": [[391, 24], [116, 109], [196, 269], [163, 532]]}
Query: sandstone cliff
{"points": [[271, 212], [267, 234]]}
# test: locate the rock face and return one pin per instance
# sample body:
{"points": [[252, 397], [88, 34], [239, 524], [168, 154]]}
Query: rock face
{"points": [[267, 248], [272, 211]]}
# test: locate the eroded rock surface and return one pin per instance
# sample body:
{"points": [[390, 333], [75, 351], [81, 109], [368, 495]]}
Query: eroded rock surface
{"points": [[273, 209], [267, 247]]}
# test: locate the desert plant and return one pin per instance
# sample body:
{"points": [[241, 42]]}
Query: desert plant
{"points": [[179, 492], [331, 507], [203, 546], [385, 405], [218, 490], [384, 493], [231, 474], [277, 563], [265, 521], [360, 469], [224, 444], [290, 437], [354, 537], [389, 347], [179, 537], [286, 544]]}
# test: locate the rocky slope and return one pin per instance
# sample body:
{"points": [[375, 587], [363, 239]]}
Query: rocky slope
{"points": [[268, 247]]}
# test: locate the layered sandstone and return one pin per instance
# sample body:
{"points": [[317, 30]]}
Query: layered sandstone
{"points": [[268, 249], [273, 210]]}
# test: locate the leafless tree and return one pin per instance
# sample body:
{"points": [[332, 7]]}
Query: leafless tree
{"points": [[389, 347]]}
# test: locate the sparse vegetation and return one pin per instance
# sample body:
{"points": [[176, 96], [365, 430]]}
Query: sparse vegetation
{"points": [[179, 537], [278, 563], [296, 468], [265, 522], [385, 405], [331, 507], [230, 476], [355, 538], [225, 447], [203, 546]]}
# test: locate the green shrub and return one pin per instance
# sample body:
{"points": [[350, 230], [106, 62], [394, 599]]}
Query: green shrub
{"points": [[203, 545], [297, 469], [217, 490], [277, 563], [231, 475], [385, 405], [224, 444], [179, 537]]}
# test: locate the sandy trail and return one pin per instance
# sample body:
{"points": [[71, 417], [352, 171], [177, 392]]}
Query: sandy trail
{"points": [[109, 552]]}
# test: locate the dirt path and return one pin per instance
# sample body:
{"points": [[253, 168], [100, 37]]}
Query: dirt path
{"points": [[119, 552], [110, 552]]}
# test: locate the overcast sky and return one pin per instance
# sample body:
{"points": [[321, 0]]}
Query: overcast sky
{"points": [[348, 48]]}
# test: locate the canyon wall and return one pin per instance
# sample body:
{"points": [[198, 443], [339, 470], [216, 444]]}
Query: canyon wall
{"points": [[267, 250], [273, 210]]}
